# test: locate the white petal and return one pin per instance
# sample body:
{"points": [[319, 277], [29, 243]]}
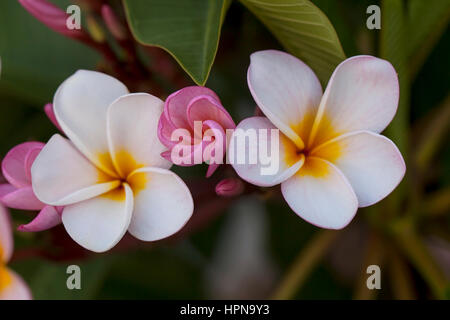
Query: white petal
{"points": [[61, 175], [162, 203], [98, 224], [320, 194], [132, 133], [12, 286], [80, 105], [6, 237], [362, 94], [286, 90], [285, 160], [371, 162]]}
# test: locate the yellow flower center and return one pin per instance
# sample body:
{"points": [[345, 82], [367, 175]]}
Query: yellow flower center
{"points": [[125, 164], [5, 276], [315, 139]]}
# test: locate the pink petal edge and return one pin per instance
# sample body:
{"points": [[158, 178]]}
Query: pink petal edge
{"points": [[47, 218]]}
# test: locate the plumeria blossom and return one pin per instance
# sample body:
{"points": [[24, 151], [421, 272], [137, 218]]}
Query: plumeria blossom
{"points": [[332, 158], [182, 110], [12, 286], [18, 193], [109, 175]]}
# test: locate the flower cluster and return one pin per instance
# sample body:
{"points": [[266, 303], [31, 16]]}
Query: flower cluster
{"points": [[109, 173]]}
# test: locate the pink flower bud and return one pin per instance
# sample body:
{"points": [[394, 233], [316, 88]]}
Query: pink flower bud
{"points": [[112, 22], [195, 122], [230, 187], [53, 17]]}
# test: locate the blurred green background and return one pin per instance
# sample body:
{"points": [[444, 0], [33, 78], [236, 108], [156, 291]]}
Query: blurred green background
{"points": [[248, 245]]}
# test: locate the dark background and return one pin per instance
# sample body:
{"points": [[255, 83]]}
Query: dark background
{"points": [[246, 245]]}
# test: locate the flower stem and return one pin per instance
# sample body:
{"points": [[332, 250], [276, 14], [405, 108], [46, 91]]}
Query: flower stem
{"points": [[304, 264], [413, 247], [400, 275]]}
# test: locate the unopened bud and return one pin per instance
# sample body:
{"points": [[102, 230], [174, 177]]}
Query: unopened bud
{"points": [[230, 187], [53, 17]]}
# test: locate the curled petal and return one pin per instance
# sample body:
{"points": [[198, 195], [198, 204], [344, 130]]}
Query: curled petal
{"points": [[6, 188], [214, 145], [48, 109], [187, 151], [47, 218], [15, 163], [204, 108], [211, 169], [29, 159], [165, 130], [21, 198], [176, 104], [166, 155]]}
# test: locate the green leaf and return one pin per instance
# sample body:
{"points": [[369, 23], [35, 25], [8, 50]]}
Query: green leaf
{"points": [[188, 29], [35, 59], [427, 22], [394, 48], [303, 30]]}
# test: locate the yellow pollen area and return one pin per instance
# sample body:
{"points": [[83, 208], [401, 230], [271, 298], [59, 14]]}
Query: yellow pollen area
{"points": [[314, 168], [5, 277], [292, 154], [318, 147], [138, 182], [324, 132], [125, 164], [117, 194], [103, 177], [303, 128], [105, 159], [330, 151]]}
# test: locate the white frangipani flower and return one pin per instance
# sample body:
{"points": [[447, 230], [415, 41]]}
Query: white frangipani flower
{"points": [[332, 159], [109, 175]]}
